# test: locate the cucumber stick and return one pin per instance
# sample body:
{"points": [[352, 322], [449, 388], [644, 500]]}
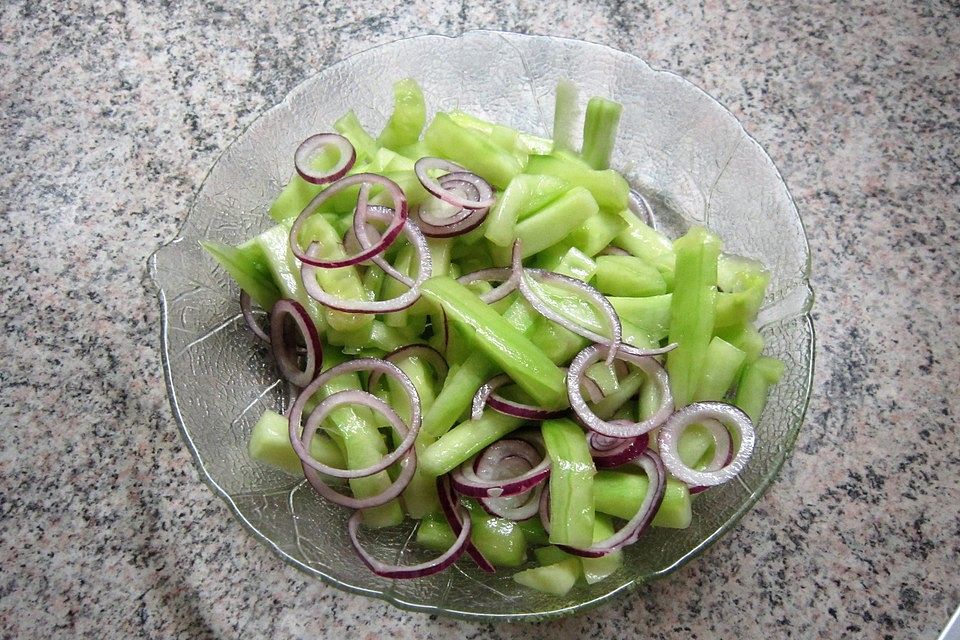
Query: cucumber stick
{"points": [[571, 483], [556, 579], [270, 443], [409, 116], [620, 494]]}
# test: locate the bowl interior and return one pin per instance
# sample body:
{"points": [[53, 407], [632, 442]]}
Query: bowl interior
{"points": [[677, 146]]}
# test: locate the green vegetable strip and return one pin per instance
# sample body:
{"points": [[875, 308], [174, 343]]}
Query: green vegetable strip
{"points": [[249, 268], [651, 314], [597, 569], [628, 276], [270, 443], [500, 540], [620, 494], [556, 579], [554, 222], [627, 389], [434, 533], [738, 308], [464, 440], [755, 383], [692, 311], [596, 233], [606, 377], [462, 383], [720, 369], [447, 139], [744, 337], [565, 115], [571, 483], [646, 243], [608, 188], [600, 131], [530, 143], [569, 262], [393, 288], [547, 556], [350, 128], [377, 336], [533, 531], [274, 244], [343, 282], [524, 195], [408, 118], [500, 341]]}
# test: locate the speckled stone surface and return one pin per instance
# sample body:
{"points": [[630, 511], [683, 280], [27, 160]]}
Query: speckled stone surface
{"points": [[110, 115]]}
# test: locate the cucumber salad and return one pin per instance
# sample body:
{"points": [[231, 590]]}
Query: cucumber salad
{"points": [[482, 332]]}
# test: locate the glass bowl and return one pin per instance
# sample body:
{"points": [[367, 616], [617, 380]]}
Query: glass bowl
{"points": [[680, 148]]}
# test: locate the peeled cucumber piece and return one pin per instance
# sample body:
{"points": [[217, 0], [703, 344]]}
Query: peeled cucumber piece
{"points": [[596, 569], [556, 579], [270, 443]]}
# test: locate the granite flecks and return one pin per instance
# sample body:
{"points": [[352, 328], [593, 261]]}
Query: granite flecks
{"points": [[113, 112]]}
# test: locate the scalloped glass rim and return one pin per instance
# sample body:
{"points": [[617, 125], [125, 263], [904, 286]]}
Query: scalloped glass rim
{"points": [[715, 173]]}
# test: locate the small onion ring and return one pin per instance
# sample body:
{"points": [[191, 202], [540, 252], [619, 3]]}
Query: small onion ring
{"points": [[505, 275], [467, 481], [283, 351], [421, 570], [653, 466], [610, 452], [424, 165], [389, 235], [728, 415], [305, 153], [471, 222], [246, 308], [403, 301], [358, 232], [466, 189], [408, 465], [592, 421], [351, 366]]}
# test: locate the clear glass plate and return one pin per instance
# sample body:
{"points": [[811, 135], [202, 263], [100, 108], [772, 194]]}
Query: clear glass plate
{"points": [[678, 146]]}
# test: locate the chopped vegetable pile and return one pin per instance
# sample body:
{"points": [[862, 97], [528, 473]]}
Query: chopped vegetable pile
{"points": [[484, 333]]}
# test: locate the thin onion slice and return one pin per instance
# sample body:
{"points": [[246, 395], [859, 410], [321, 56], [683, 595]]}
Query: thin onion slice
{"points": [[408, 466], [351, 366], [522, 506], [597, 299], [610, 452], [246, 308], [284, 349], [421, 570], [359, 232], [452, 214], [653, 369], [419, 350], [723, 451], [309, 148], [453, 511], [729, 416], [467, 478], [473, 220], [653, 466], [505, 275], [389, 235], [422, 168], [487, 396], [403, 301]]}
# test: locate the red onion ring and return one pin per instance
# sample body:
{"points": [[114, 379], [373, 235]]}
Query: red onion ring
{"points": [[592, 421], [359, 233], [598, 299], [469, 223], [421, 570], [484, 198], [423, 351], [729, 416], [505, 275], [389, 235], [359, 364], [610, 452], [456, 187], [486, 395], [629, 533], [408, 465], [522, 506], [305, 153], [403, 301], [468, 481], [453, 512], [723, 452], [246, 308], [284, 351]]}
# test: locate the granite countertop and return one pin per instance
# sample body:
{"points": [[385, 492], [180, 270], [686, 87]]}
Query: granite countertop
{"points": [[112, 112]]}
